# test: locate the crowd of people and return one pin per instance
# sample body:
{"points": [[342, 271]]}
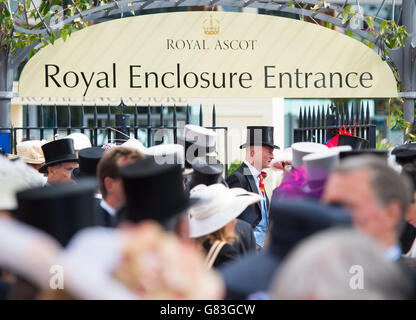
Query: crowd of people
{"points": [[167, 222]]}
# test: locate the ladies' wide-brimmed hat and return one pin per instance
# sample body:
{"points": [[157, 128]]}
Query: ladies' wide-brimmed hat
{"points": [[217, 207], [58, 151], [260, 136]]}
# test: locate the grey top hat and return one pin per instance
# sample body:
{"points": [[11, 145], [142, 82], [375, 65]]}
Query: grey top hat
{"points": [[301, 149]]}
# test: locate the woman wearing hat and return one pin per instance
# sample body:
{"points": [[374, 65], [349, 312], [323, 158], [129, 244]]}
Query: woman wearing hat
{"points": [[212, 220]]}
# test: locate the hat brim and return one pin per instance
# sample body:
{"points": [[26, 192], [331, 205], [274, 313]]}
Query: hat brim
{"points": [[43, 169], [259, 267], [199, 228], [245, 145], [32, 161]]}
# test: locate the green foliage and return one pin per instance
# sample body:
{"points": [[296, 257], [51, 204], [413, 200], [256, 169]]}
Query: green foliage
{"points": [[383, 144], [396, 122], [234, 166], [46, 16]]}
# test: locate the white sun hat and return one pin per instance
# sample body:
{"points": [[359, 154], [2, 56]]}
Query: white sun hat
{"points": [[16, 176], [134, 144], [301, 149], [31, 151], [81, 141], [217, 207], [169, 154]]}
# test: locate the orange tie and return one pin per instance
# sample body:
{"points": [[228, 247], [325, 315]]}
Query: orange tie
{"points": [[262, 175]]}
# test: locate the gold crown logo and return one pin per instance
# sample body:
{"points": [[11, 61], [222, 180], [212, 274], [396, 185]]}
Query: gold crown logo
{"points": [[211, 27]]}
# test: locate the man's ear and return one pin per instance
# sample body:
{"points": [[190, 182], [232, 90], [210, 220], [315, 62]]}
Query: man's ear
{"points": [[108, 183], [252, 151], [50, 169], [394, 213]]}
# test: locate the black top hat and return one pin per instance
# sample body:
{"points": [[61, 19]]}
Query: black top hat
{"points": [[260, 136], [58, 151], [153, 191], [405, 153], [380, 153], [61, 210], [88, 161], [206, 171], [355, 142]]}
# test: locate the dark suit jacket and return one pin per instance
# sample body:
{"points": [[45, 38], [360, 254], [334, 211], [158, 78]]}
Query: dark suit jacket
{"points": [[104, 218], [242, 178], [245, 241]]}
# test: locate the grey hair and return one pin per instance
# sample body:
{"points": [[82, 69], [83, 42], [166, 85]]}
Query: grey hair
{"points": [[324, 267], [387, 184]]}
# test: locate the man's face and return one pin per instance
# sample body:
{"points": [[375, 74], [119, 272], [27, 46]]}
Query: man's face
{"points": [[118, 188], [61, 173], [353, 192], [267, 156]]}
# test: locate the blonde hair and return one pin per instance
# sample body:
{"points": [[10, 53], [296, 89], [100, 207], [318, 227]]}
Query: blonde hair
{"points": [[225, 234]]}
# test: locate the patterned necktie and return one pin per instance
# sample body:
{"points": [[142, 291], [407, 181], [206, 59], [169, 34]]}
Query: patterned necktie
{"points": [[262, 176]]}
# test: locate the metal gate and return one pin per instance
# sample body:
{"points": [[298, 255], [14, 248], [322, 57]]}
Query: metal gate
{"points": [[316, 125]]}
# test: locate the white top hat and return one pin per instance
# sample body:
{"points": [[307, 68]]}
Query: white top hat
{"points": [[134, 144], [201, 136], [169, 154], [31, 151], [217, 207], [318, 165], [301, 149], [81, 141], [16, 176]]}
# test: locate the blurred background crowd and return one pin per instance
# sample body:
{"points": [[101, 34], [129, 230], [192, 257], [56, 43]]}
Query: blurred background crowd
{"points": [[129, 222]]}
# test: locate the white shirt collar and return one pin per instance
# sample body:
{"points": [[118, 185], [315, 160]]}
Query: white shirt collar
{"points": [[253, 170], [108, 208]]}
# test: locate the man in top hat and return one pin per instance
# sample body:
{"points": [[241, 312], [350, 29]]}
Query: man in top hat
{"points": [[249, 176], [60, 160], [109, 178]]}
